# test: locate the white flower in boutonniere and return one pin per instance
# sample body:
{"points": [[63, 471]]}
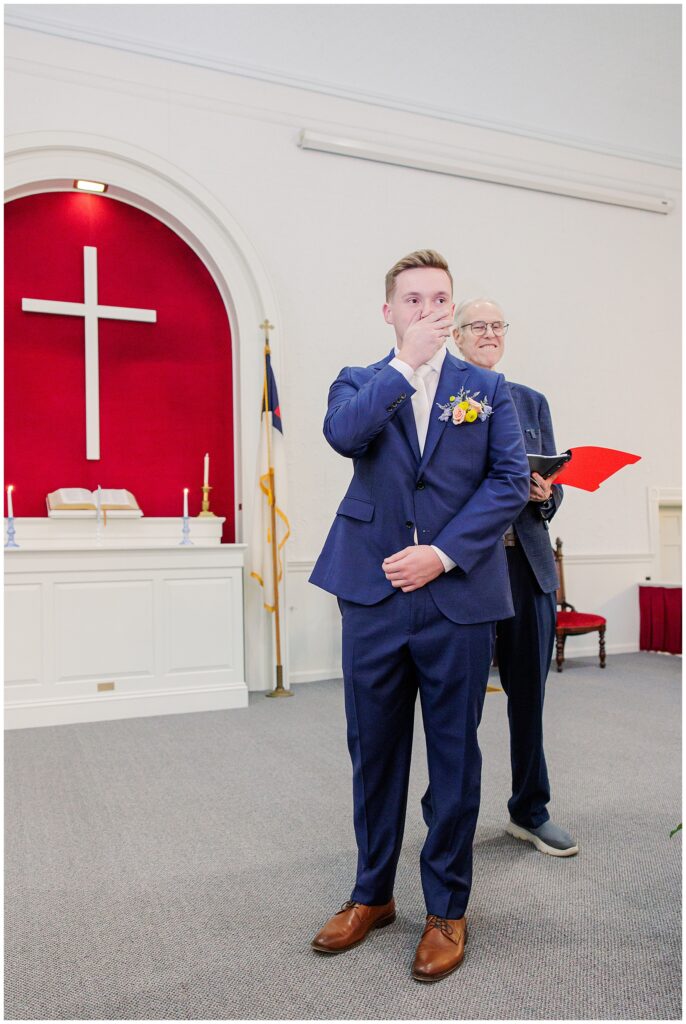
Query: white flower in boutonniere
{"points": [[464, 408]]}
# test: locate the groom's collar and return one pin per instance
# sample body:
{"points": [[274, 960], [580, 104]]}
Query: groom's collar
{"points": [[450, 363], [436, 361]]}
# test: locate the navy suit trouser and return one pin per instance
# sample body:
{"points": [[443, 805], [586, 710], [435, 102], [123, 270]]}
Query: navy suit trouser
{"points": [[524, 648], [391, 651]]}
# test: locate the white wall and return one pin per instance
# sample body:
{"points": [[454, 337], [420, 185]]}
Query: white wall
{"points": [[602, 76], [591, 291]]}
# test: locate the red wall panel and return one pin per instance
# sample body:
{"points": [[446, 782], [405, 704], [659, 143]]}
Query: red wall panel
{"points": [[165, 388]]}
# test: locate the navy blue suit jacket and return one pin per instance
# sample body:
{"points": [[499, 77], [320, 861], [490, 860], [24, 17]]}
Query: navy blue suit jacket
{"points": [[531, 525], [461, 494]]}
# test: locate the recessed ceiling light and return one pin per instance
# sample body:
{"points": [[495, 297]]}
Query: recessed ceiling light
{"points": [[90, 186]]}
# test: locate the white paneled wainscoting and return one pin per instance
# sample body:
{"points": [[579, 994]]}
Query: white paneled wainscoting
{"points": [[606, 584], [95, 634]]}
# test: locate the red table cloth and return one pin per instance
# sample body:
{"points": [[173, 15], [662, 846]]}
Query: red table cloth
{"points": [[660, 609]]}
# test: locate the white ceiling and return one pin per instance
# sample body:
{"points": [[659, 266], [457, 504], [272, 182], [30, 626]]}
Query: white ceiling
{"points": [[601, 76]]}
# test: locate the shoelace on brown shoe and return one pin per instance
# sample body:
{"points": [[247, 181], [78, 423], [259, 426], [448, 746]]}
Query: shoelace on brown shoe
{"points": [[348, 905], [441, 923]]}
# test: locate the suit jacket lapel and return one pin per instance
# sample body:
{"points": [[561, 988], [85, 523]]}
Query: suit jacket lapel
{"points": [[405, 414], [449, 383]]}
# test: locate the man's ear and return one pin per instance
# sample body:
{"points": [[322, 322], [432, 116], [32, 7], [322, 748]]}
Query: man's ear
{"points": [[387, 313]]}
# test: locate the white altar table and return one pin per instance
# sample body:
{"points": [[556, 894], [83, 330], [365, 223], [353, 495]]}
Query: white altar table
{"points": [[121, 622]]}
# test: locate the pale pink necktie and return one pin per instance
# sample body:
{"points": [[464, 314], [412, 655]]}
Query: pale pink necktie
{"points": [[420, 402]]}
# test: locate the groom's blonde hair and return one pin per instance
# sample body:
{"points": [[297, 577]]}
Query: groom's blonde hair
{"points": [[419, 258]]}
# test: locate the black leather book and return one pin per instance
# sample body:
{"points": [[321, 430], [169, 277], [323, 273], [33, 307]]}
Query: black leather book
{"points": [[546, 465]]}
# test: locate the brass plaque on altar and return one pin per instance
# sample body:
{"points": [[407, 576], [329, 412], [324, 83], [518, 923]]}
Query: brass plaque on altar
{"points": [[103, 687]]}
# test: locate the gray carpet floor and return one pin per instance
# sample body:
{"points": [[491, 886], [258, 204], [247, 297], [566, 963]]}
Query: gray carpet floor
{"points": [[177, 867]]}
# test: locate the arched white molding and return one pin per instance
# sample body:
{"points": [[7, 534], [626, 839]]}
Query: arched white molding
{"points": [[51, 161]]}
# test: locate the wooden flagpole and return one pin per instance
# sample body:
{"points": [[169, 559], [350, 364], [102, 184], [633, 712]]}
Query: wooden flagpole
{"points": [[278, 690]]}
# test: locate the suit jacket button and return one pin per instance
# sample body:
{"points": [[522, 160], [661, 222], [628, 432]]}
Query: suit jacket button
{"points": [[421, 485], [403, 396], [409, 524]]}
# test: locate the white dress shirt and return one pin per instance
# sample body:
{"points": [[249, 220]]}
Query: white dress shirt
{"points": [[431, 381], [431, 385]]}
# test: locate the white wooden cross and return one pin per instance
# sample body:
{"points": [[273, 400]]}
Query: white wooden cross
{"points": [[91, 312]]}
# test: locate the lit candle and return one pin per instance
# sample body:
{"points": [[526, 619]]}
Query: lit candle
{"points": [[206, 480], [185, 503], [10, 507], [98, 502]]}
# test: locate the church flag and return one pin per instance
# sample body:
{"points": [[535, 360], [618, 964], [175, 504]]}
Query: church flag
{"points": [[270, 528]]}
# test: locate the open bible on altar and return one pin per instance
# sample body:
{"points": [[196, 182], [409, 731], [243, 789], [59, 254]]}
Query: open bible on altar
{"points": [[77, 503]]}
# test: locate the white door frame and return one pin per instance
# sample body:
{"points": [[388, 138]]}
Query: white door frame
{"points": [[657, 497]]}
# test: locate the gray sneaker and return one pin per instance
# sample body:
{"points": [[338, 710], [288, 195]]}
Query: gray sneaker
{"points": [[548, 838]]}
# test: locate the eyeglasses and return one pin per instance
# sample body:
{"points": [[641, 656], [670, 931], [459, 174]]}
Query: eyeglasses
{"points": [[480, 327]]}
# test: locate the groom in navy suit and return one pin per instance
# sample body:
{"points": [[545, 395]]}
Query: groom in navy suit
{"points": [[417, 561]]}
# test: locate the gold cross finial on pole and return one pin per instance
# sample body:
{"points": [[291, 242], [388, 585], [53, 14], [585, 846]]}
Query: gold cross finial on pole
{"points": [[266, 327]]}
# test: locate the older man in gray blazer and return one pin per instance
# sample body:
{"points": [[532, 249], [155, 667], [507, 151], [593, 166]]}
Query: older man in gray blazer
{"points": [[524, 643]]}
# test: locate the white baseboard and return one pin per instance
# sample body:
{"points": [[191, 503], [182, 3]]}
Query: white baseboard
{"points": [[315, 675], [106, 707]]}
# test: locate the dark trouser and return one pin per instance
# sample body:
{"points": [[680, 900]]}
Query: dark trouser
{"points": [[391, 651], [524, 646]]}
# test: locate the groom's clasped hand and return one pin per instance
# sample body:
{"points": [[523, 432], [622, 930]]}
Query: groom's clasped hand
{"points": [[412, 567]]}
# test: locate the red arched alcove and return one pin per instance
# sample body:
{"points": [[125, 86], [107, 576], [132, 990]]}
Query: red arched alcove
{"points": [[166, 393]]}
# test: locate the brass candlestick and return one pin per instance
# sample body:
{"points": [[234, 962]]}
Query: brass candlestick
{"points": [[205, 511]]}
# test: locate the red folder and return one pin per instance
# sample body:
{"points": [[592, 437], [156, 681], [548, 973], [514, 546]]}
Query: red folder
{"points": [[590, 466]]}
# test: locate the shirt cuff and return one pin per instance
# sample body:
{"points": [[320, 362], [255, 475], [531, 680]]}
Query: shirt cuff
{"points": [[448, 563], [402, 367]]}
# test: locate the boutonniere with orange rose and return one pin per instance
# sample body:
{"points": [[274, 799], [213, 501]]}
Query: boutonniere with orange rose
{"points": [[464, 408]]}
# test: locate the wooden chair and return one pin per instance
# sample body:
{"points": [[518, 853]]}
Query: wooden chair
{"points": [[571, 622]]}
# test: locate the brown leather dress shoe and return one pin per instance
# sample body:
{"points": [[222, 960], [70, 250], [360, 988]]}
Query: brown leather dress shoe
{"points": [[441, 948], [350, 926]]}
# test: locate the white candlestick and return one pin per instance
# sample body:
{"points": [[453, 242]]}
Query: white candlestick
{"points": [[10, 506], [206, 479], [185, 503], [98, 502]]}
